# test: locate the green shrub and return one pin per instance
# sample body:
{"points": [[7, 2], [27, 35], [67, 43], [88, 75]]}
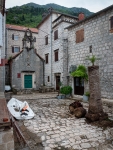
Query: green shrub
{"points": [[87, 94], [66, 90], [81, 72]]}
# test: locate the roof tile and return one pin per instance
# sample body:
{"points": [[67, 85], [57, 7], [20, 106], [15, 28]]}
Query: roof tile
{"points": [[20, 28]]}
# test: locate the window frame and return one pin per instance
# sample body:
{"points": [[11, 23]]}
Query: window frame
{"points": [[56, 55], [111, 23], [46, 58], [46, 40], [13, 49], [56, 34], [48, 78], [14, 37]]}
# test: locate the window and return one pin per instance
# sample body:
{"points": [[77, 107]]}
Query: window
{"points": [[90, 48], [56, 55], [15, 49], [48, 79], [46, 58], [111, 23], [56, 35], [18, 75], [80, 36], [46, 40], [15, 37]]}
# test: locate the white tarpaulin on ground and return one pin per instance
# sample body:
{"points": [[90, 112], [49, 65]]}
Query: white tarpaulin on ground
{"points": [[20, 110]]}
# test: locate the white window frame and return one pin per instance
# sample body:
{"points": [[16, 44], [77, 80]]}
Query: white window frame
{"points": [[16, 37], [14, 51]]}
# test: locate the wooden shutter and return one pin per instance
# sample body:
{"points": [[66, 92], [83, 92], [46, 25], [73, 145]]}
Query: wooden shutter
{"points": [[46, 58], [80, 36], [12, 49], [12, 36], [56, 55]]}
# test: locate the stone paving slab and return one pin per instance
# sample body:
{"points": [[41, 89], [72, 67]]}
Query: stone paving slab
{"points": [[57, 129]]}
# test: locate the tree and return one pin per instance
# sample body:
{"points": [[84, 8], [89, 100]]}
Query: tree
{"points": [[95, 110]]}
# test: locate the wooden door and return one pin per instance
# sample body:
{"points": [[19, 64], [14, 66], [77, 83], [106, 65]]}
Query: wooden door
{"points": [[57, 82], [78, 86], [28, 81]]}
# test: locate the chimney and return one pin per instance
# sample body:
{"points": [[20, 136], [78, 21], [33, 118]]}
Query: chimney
{"points": [[81, 16]]}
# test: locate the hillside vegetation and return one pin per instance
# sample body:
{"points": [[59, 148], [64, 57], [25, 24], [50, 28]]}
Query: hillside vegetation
{"points": [[31, 14]]}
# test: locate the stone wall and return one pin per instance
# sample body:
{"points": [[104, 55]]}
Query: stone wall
{"points": [[2, 53], [59, 67], [6, 140], [27, 63], [10, 42], [45, 30], [97, 35]]}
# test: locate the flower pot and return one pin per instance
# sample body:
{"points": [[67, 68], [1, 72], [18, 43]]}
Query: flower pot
{"points": [[63, 96], [85, 98], [68, 95], [59, 96]]}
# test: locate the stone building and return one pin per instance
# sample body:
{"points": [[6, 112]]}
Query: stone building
{"points": [[2, 45], [26, 69], [93, 36], [14, 36], [52, 46]]}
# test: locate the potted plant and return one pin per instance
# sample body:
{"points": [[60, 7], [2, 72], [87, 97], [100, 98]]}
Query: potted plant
{"points": [[86, 96], [66, 90]]}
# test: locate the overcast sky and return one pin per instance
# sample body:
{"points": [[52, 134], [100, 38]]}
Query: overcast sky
{"points": [[92, 5]]}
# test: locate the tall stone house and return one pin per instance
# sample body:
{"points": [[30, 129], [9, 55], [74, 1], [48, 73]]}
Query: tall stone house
{"points": [[14, 35], [92, 36], [2, 45], [52, 46]]}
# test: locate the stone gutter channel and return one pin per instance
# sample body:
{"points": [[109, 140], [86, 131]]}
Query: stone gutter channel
{"points": [[54, 128]]}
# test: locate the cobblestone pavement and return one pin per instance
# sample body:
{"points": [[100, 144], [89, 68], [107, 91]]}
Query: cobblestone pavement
{"points": [[53, 127]]}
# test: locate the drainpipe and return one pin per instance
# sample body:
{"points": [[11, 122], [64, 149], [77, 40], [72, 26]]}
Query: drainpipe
{"points": [[4, 23], [51, 47], [43, 73]]}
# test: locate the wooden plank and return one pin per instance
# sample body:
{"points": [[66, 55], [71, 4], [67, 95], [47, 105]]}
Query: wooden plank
{"points": [[4, 113]]}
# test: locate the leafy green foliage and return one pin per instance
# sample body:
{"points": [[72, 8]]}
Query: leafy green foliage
{"points": [[87, 93], [66, 90], [30, 15], [81, 72], [92, 59], [25, 16]]}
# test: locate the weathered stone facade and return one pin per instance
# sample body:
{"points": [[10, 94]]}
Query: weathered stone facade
{"points": [[53, 22], [13, 30], [27, 63], [98, 35], [2, 45], [26, 69]]}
